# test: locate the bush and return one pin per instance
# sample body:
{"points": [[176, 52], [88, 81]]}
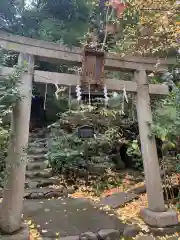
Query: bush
{"points": [[68, 151], [135, 152]]}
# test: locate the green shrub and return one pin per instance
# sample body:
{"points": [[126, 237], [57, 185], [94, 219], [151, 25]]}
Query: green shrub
{"points": [[135, 152], [67, 150]]}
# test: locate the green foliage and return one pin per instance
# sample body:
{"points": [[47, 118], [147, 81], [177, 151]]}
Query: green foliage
{"points": [[135, 152], [166, 126], [63, 21], [8, 12], [166, 123], [66, 21], [149, 28], [167, 118], [9, 94], [9, 86], [9, 91], [68, 151]]}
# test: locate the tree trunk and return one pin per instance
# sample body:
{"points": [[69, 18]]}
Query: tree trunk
{"points": [[12, 204]]}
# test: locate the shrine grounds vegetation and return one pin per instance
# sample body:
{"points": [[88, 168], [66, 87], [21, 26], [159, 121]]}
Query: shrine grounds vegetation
{"points": [[116, 143]]}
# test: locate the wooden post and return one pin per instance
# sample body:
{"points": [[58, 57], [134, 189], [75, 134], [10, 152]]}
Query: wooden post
{"points": [[12, 204], [148, 145]]}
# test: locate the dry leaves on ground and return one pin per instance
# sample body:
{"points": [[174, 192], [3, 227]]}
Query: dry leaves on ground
{"points": [[130, 212], [34, 233]]}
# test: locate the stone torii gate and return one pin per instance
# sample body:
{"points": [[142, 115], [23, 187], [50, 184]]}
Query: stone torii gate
{"points": [[30, 49]]}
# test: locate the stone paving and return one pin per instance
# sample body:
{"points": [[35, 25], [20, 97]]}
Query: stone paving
{"points": [[68, 217]]}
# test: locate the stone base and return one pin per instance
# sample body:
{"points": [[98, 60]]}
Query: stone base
{"points": [[22, 234], [165, 231], [159, 219], [157, 238]]}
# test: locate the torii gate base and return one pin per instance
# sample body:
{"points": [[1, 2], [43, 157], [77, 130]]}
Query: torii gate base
{"points": [[22, 234]]}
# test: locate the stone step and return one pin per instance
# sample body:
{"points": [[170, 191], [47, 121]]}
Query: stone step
{"points": [[39, 182], [38, 165], [38, 140], [37, 157], [45, 192], [38, 129], [39, 144], [46, 173], [37, 134], [37, 150]]}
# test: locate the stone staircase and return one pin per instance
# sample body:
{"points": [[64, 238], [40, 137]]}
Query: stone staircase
{"points": [[40, 182]]}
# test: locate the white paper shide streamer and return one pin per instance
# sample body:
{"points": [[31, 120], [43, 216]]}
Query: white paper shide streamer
{"points": [[125, 94], [106, 98], [78, 93], [125, 98]]}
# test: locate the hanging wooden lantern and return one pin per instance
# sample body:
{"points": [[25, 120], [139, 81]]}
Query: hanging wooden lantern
{"points": [[92, 69]]}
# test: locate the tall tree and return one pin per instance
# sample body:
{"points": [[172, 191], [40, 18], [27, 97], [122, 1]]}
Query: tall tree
{"points": [[149, 27], [8, 11]]}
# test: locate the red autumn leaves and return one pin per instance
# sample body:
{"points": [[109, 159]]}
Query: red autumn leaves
{"points": [[118, 6]]}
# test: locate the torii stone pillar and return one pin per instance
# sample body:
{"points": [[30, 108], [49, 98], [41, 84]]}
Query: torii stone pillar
{"points": [[156, 215], [12, 204]]}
